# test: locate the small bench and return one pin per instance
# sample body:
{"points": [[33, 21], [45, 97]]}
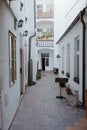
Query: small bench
{"points": [[62, 83]]}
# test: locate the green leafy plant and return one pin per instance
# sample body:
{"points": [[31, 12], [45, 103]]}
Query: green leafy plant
{"points": [[68, 74], [62, 71], [38, 74]]}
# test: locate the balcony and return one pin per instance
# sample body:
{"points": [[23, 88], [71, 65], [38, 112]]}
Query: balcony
{"points": [[45, 44], [47, 36], [44, 15]]}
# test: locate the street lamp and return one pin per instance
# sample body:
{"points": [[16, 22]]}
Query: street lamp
{"points": [[25, 33]]}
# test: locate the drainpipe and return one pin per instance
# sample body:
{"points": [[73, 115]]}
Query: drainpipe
{"points": [[83, 56], [30, 82]]}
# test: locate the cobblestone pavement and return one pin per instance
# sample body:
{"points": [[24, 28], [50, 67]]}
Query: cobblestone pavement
{"points": [[40, 110]]}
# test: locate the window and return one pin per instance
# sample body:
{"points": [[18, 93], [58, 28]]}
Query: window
{"points": [[12, 58], [68, 58], [39, 8], [47, 61], [45, 55], [76, 60], [39, 30]]}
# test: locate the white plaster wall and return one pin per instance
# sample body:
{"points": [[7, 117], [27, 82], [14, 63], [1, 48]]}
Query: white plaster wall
{"points": [[25, 61], [55, 55], [34, 57], [31, 17], [44, 25], [32, 30], [24, 47], [69, 38], [10, 102], [59, 25]]}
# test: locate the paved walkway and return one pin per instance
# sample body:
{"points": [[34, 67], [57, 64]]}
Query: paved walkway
{"points": [[40, 110]]}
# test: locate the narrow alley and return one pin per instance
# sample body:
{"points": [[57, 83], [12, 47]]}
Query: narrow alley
{"points": [[40, 110]]}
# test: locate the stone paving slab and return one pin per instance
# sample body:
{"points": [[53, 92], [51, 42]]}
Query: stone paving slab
{"points": [[40, 110]]}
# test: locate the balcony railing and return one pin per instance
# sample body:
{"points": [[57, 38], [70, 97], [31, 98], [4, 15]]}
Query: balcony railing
{"points": [[45, 15], [45, 44]]}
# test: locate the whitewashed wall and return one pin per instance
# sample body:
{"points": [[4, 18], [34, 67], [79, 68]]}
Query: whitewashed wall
{"points": [[10, 102], [45, 24], [11, 95], [69, 38], [59, 25], [34, 57], [32, 31]]}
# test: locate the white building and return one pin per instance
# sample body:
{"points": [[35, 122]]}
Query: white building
{"points": [[45, 34], [72, 46], [14, 44]]}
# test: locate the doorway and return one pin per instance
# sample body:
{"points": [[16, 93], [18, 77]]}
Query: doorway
{"points": [[43, 64]]}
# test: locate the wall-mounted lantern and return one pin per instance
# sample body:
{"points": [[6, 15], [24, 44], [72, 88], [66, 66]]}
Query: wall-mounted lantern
{"points": [[20, 23], [26, 19], [25, 33], [21, 6]]}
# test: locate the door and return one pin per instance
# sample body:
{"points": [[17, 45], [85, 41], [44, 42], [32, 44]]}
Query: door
{"points": [[43, 64], [21, 72]]}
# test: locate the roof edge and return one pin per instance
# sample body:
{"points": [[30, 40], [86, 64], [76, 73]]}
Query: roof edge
{"points": [[72, 24]]}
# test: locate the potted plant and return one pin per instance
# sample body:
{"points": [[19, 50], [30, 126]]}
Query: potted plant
{"points": [[38, 74], [68, 75], [68, 89], [62, 71]]}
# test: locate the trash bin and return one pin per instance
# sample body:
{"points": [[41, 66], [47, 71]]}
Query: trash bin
{"points": [[55, 70]]}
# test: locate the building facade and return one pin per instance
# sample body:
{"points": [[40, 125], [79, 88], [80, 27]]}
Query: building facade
{"points": [[72, 47], [14, 49], [45, 34]]}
